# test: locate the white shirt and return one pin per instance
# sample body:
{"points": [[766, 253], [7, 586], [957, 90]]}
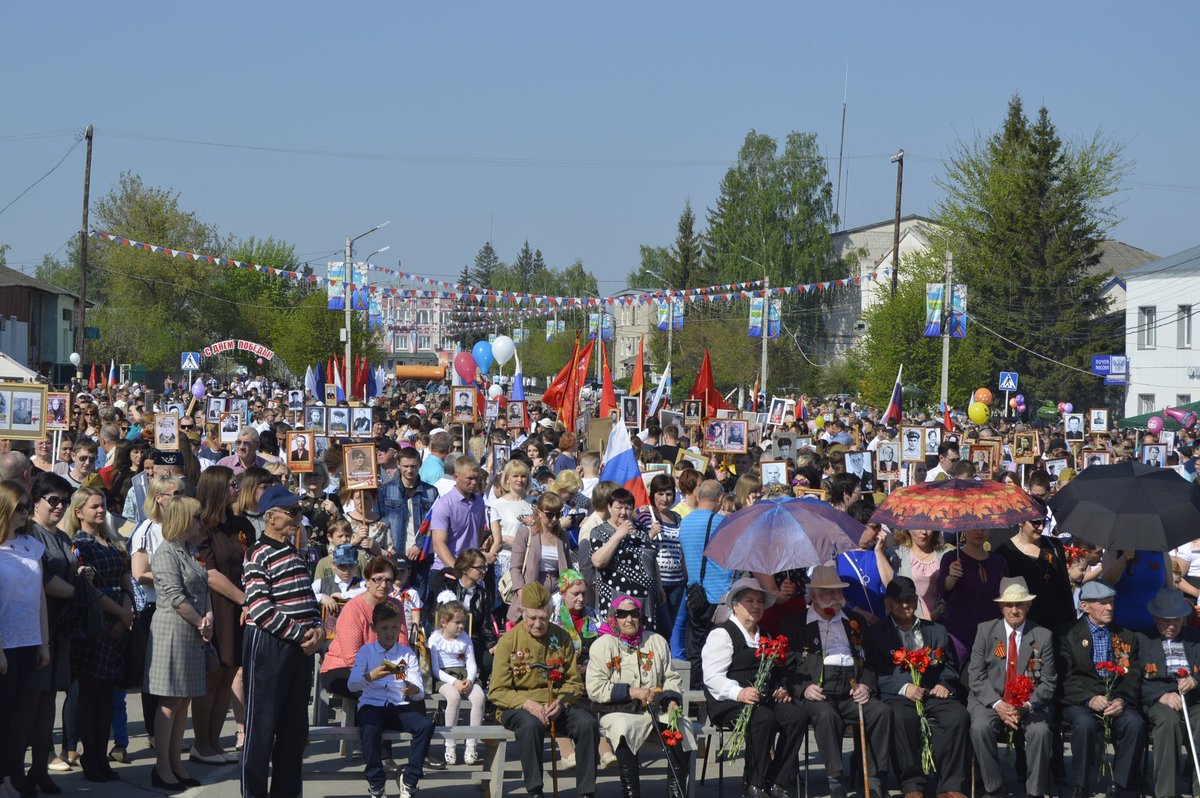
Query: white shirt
{"points": [[932, 474], [1008, 630], [147, 537], [21, 592], [388, 690], [341, 587], [833, 638], [456, 653], [717, 656], [589, 484]]}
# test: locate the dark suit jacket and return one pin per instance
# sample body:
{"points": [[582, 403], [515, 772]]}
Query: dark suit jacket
{"points": [[987, 672], [1156, 680], [1080, 680], [883, 638], [804, 642]]}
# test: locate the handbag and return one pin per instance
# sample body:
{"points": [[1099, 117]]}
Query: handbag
{"points": [[699, 608], [134, 673], [83, 619]]}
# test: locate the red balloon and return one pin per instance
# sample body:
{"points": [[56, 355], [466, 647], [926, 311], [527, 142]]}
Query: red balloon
{"points": [[464, 365], [983, 395]]}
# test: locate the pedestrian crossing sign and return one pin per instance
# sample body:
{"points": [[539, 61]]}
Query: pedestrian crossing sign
{"points": [[1008, 380], [189, 361]]}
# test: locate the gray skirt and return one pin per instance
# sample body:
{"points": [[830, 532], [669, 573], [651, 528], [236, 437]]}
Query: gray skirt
{"points": [[175, 662]]}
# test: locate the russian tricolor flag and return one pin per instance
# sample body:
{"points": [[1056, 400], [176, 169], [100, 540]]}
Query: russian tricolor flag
{"points": [[621, 465], [895, 408]]}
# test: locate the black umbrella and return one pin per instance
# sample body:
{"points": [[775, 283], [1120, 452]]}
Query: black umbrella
{"points": [[1129, 506]]}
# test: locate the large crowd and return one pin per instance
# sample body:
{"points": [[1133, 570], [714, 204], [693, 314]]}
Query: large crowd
{"points": [[490, 565]]}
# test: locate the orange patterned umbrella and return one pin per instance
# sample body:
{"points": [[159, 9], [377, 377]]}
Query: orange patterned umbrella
{"points": [[956, 505]]}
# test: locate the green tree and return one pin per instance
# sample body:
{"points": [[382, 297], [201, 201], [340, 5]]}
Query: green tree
{"points": [[1025, 214], [523, 269], [486, 265]]}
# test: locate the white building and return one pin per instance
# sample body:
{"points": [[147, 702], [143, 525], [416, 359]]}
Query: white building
{"points": [[415, 330], [1159, 300]]}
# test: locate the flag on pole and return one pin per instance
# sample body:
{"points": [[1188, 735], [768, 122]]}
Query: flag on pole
{"points": [[92, 379], [639, 367], [947, 422], [318, 393], [372, 389], [608, 394], [621, 465], [705, 388], [518, 388], [895, 408], [555, 391], [111, 382], [337, 382], [310, 381], [656, 399], [575, 383]]}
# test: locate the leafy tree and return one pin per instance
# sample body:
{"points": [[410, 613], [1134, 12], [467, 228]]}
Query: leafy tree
{"points": [[1025, 214], [578, 281], [655, 262]]}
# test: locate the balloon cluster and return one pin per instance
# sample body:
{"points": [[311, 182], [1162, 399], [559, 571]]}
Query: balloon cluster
{"points": [[1018, 403], [978, 410], [1066, 407], [480, 359]]}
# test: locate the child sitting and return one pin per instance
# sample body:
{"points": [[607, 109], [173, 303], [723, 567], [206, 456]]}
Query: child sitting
{"points": [[405, 594], [343, 583], [387, 674], [454, 666]]}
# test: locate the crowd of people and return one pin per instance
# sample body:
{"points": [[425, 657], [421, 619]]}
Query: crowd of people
{"points": [[491, 566]]}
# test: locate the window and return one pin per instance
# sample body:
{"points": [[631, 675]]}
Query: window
{"points": [[1145, 403], [1147, 338], [423, 343], [1183, 399], [1184, 326]]}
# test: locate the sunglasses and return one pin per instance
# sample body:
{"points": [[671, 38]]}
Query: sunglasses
{"points": [[620, 614], [293, 511], [54, 501]]}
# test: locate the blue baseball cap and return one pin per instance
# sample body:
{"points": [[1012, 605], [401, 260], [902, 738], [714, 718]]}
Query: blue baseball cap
{"points": [[345, 554], [276, 496]]}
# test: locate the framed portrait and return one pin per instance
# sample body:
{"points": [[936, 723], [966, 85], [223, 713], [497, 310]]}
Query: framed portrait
{"points": [[773, 472], [240, 407], [330, 394], [320, 445], [295, 400], [714, 435], [693, 412], [1098, 421], [811, 493], [658, 468], [166, 432], [933, 439], [698, 461], [361, 422], [887, 460], [775, 413], [148, 399], [22, 411], [462, 404], [1154, 455], [670, 418], [337, 420], [230, 423], [58, 410], [178, 408], [803, 443], [359, 468], [1091, 457], [736, 436], [1167, 438], [314, 418], [302, 451], [1025, 447], [784, 447], [726, 414], [214, 407], [491, 409], [515, 413], [860, 465], [760, 420], [1073, 426], [501, 454], [985, 456], [1054, 468], [912, 445], [631, 411]]}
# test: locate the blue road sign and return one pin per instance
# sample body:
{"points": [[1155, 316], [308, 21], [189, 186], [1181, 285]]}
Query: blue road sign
{"points": [[189, 361], [1008, 380]]}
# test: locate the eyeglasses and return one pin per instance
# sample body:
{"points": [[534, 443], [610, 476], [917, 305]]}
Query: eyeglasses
{"points": [[1038, 522], [292, 511], [381, 580], [86, 458], [633, 613], [187, 426], [54, 501], [170, 494], [479, 567]]}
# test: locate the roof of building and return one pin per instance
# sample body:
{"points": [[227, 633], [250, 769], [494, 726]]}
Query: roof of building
{"points": [[889, 222], [1184, 262], [1118, 257], [12, 277]]}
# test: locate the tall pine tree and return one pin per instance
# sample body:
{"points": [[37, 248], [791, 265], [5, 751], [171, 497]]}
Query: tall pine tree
{"points": [[524, 268], [486, 265]]}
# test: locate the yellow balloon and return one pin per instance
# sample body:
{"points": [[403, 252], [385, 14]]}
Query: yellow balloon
{"points": [[819, 422], [978, 413]]}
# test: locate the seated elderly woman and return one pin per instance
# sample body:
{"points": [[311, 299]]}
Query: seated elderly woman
{"points": [[730, 662], [629, 677]]}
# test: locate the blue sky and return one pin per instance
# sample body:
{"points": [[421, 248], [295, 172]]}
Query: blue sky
{"points": [[580, 128]]}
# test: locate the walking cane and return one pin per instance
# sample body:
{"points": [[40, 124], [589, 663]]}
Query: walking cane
{"points": [[553, 742], [1191, 738], [666, 750], [862, 740]]}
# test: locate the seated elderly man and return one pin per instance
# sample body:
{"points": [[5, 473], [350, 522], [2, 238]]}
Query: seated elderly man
{"points": [[1100, 689], [937, 694], [1005, 650], [526, 658], [830, 678], [1170, 659]]}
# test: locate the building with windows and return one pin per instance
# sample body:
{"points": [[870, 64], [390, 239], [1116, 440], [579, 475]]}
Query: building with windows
{"points": [[1161, 297], [632, 323], [37, 322], [415, 330]]}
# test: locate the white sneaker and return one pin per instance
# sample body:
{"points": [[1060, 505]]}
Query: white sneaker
{"points": [[451, 753], [471, 753], [405, 790], [380, 793]]}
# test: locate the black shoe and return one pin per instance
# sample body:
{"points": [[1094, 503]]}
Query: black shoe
{"points": [[162, 784], [836, 789], [433, 763], [102, 776], [775, 791], [112, 775], [24, 785], [188, 782], [631, 781], [46, 784]]}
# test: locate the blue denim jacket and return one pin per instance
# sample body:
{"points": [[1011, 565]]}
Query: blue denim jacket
{"points": [[393, 508]]}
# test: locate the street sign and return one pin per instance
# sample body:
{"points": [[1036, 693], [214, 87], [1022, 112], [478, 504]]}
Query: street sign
{"points": [[1114, 379], [1008, 380], [1109, 364], [189, 361]]}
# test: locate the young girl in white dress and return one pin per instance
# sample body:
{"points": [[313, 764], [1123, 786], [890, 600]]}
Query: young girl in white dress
{"points": [[454, 667]]}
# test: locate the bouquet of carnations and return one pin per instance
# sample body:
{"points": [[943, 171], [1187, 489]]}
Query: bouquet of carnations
{"points": [[1017, 693], [917, 661], [771, 652], [1109, 672]]}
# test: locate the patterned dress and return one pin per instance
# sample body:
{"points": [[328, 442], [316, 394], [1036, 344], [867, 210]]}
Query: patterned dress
{"points": [[632, 571], [103, 658]]}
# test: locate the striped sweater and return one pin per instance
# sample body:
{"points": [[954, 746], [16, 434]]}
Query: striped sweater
{"points": [[279, 596]]}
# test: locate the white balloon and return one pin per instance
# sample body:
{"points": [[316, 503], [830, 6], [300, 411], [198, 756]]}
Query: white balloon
{"points": [[494, 391], [503, 349]]}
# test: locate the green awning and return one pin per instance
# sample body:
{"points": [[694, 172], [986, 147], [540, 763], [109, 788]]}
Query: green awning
{"points": [[1139, 422]]}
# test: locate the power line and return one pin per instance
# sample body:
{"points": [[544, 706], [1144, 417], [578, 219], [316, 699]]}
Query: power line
{"points": [[43, 177]]}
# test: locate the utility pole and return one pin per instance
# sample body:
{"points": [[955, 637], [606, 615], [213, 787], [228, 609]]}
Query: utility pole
{"points": [[946, 315], [897, 159], [348, 273], [670, 323], [762, 375], [80, 331]]}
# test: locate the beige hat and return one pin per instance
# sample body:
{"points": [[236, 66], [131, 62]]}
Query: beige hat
{"points": [[1013, 590], [744, 584], [826, 577]]}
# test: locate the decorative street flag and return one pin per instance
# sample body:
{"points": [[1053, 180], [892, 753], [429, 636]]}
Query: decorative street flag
{"points": [[934, 292], [756, 317], [665, 314]]}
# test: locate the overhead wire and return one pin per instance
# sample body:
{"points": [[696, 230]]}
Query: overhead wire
{"points": [[52, 170]]}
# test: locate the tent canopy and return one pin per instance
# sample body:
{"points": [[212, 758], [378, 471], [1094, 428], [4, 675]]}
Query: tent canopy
{"points": [[12, 371], [1139, 422]]}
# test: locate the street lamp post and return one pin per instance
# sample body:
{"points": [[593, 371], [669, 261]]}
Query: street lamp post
{"points": [[670, 309], [347, 274], [762, 367]]}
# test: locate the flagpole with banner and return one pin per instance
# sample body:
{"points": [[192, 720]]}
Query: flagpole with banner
{"points": [[896, 402]]}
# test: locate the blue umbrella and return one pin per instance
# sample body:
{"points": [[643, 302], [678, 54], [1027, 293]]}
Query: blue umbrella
{"points": [[775, 535]]}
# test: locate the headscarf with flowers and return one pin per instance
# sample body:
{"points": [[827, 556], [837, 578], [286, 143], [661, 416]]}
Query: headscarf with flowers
{"points": [[581, 626]]}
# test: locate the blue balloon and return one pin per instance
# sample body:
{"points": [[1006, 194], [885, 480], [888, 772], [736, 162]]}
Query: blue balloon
{"points": [[482, 352]]}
